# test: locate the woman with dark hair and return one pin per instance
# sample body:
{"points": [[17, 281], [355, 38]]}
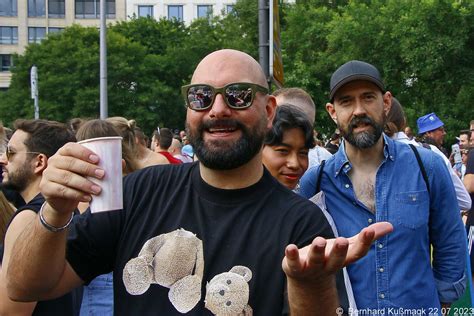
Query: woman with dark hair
{"points": [[286, 145]]}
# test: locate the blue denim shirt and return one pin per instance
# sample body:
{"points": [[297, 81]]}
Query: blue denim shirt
{"points": [[396, 273]]}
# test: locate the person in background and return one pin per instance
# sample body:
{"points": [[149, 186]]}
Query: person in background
{"points": [[75, 123], [6, 209], [464, 139], [286, 145], [299, 98], [395, 124], [409, 132], [176, 150], [373, 178], [163, 140], [431, 130], [26, 157], [125, 128], [98, 294], [145, 156]]}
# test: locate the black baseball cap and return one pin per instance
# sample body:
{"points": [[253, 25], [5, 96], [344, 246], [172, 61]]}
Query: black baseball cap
{"points": [[354, 70]]}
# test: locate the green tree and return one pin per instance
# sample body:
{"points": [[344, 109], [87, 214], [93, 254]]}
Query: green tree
{"points": [[423, 49]]}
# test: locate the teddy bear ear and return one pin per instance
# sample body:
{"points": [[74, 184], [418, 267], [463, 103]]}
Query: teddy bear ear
{"points": [[184, 294], [245, 272], [137, 276]]}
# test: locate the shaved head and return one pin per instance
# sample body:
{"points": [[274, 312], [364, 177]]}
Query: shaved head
{"points": [[244, 69]]}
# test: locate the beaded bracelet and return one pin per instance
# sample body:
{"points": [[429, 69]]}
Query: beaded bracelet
{"points": [[50, 227]]}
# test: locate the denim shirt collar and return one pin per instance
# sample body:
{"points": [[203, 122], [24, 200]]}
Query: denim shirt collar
{"points": [[342, 162]]}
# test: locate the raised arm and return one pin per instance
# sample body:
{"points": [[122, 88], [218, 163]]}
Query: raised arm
{"points": [[37, 267], [310, 271]]}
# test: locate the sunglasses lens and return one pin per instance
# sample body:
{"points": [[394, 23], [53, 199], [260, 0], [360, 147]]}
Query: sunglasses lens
{"points": [[200, 97], [239, 95]]}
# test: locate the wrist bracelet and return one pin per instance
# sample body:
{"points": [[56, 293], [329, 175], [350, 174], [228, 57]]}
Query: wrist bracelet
{"points": [[50, 227]]}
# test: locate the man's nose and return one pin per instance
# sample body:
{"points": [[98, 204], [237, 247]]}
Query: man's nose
{"points": [[220, 109], [3, 159], [359, 108]]}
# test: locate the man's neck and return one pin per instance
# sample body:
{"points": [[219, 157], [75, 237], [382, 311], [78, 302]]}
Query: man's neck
{"points": [[367, 157], [31, 191], [238, 178]]}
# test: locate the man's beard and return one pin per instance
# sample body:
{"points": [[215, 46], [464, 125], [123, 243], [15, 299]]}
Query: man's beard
{"points": [[222, 154], [365, 139], [18, 180]]}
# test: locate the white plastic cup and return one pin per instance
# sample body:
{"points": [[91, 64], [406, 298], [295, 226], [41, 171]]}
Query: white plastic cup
{"points": [[109, 150]]}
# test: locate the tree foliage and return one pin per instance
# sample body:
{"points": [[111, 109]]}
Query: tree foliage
{"points": [[423, 49]]}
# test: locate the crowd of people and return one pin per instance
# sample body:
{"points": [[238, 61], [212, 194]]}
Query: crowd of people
{"points": [[244, 212]]}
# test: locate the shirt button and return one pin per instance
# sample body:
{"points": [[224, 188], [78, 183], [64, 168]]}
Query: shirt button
{"points": [[380, 245], [382, 296], [370, 221], [347, 186], [347, 167], [391, 157], [413, 199], [381, 269]]}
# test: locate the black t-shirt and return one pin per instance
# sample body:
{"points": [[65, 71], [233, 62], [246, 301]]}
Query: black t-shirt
{"points": [[248, 227], [67, 305]]}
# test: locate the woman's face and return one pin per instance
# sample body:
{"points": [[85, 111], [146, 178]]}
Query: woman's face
{"points": [[287, 161]]}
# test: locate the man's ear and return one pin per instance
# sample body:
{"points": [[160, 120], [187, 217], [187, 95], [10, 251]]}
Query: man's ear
{"points": [[387, 102], [332, 111], [270, 110], [41, 162]]}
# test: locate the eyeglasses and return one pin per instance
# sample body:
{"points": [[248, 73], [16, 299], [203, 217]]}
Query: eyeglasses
{"points": [[237, 95], [9, 153]]}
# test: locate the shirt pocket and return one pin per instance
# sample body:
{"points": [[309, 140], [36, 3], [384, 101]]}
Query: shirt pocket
{"points": [[412, 209]]}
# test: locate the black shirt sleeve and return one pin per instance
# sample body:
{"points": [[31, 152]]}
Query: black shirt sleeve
{"points": [[470, 162]]}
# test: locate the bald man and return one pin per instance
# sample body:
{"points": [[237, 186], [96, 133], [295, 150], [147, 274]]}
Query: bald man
{"points": [[232, 226], [299, 98]]}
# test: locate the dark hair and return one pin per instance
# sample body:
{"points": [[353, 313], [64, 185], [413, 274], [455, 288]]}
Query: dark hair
{"points": [[75, 124], [44, 136], [101, 128], [166, 137], [396, 120], [288, 117]]}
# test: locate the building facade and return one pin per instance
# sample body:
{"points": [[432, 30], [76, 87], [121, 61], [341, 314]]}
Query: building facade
{"points": [[183, 10], [29, 21]]}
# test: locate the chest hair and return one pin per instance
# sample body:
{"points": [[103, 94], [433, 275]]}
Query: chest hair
{"points": [[364, 188]]}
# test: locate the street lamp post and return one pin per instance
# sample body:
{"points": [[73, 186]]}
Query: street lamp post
{"points": [[103, 62]]}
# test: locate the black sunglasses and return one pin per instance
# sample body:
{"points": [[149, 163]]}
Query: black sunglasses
{"points": [[237, 95], [9, 153]]}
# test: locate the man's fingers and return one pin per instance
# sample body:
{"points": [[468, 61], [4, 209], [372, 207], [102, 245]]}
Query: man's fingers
{"points": [[78, 151], [70, 180], [360, 244], [316, 252], [77, 166], [291, 263], [337, 256], [61, 191]]}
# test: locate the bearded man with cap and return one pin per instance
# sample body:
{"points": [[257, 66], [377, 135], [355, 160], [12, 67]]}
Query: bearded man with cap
{"points": [[373, 178], [431, 129]]}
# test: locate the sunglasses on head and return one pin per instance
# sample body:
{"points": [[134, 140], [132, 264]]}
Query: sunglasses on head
{"points": [[237, 95]]}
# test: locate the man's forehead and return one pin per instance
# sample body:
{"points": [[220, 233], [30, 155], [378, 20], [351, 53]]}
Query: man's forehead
{"points": [[17, 139], [223, 67], [356, 87]]}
